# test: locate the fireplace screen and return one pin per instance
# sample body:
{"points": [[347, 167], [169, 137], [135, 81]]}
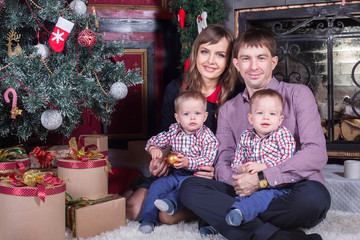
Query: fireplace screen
{"points": [[319, 46]]}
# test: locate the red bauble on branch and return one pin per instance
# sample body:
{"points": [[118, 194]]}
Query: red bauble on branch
{"points": [[87, 38]]}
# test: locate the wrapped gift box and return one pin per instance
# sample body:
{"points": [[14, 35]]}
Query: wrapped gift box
{"points": [[21, 164], [59, 151], [25, 216], [89, 218], [84, 179], [101, 142]]}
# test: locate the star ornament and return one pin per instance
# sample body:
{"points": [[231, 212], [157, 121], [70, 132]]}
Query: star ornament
{"points": [[58, 36], [16, 111]]}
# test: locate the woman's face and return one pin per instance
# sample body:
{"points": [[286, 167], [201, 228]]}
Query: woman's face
{"points": [[212, 59]]}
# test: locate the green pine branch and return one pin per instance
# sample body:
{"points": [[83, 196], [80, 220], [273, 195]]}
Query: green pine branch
{"points": [[67, 80], [193, 8]]}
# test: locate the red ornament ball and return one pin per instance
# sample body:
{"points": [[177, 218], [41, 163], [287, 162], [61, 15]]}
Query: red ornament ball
{"points": [[87, 38]]}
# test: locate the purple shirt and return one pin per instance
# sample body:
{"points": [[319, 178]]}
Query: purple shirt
{"points": [[200, 146], [271, 149], [301, 118]]}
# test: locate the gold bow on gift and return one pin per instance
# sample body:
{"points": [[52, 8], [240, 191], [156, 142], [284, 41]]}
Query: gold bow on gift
{"points": [[85, 153], [32, 178]]}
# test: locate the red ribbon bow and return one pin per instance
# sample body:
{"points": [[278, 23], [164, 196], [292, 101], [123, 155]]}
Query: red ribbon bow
{"points": [[43, 157]]}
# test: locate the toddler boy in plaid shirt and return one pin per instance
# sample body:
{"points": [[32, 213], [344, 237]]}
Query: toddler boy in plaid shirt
{"points": [[266, 144], [195, 145]]}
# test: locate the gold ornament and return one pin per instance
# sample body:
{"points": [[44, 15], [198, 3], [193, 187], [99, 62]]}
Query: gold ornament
{"points": [[97, 23], [13, 36], [16, 111], [171, 158]]}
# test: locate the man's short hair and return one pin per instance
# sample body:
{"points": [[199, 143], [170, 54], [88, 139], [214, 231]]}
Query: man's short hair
{"points": [[254, 37]]}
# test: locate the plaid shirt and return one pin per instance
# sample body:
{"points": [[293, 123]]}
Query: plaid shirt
{"points": [[272, 149], [200, 146]]}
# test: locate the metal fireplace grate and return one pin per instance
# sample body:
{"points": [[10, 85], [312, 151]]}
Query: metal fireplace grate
{"points": [[319, 45]]}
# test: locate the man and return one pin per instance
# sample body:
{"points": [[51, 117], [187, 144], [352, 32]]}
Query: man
{"points": [[308, 201]]}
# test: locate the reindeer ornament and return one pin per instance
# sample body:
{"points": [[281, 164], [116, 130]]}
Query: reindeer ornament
{"points": [[13, 36]]}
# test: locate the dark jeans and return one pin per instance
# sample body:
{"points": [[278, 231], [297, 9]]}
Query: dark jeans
{"points": [[304, 206]]}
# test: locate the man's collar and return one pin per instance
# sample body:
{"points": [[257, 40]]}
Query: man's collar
{"points": [[273, 84]]}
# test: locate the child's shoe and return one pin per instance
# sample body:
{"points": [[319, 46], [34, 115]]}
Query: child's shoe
{"points": [[207, 230], [234, 217], [165, 205], [146, 226]]}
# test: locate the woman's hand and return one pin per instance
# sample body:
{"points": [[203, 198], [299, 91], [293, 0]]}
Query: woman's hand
{"points": [[159, 167], [206, 172]]}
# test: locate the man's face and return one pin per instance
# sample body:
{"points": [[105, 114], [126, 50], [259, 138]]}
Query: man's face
{"points": [[255, 65]]}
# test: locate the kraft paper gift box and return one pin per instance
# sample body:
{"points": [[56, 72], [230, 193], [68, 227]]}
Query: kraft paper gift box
{"points": [[11, 166], [25, 216], [84, 179], [59, 151], [101, 142], [87, 218], [38, 155]]}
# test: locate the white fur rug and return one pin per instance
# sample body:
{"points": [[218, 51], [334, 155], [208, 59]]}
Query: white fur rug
{"points": [[337, 226]]}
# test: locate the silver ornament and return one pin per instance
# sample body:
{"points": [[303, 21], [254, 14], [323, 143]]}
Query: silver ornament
{"points": [[42, 50], [51, 119], [78, 6], [118, 90]]}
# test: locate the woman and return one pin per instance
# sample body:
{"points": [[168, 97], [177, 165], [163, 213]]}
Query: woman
{"points": [[211, 73]]}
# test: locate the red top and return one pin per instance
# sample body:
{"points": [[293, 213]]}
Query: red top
{"points": [[214, 97]]}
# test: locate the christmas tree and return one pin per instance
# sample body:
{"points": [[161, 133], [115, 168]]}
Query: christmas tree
{"points": [[54, 65], [192, 15]]}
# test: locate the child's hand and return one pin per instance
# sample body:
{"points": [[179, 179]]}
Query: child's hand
{"points": [[155, 153], [254, 167], [241, 169], [182, 162]]}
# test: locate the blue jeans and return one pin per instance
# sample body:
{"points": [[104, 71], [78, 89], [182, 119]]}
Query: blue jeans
{"points": [[251, 206], [164, 187]]}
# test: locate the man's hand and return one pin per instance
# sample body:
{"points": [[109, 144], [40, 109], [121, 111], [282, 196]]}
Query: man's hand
{"points": [[245, 184], [206, 172]]}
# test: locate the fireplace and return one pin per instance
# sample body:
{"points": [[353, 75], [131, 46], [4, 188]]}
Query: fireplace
{"points": [[319, 45]]}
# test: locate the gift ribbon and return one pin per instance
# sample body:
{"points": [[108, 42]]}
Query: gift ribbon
{"points": [[12, 154], [41, 191], [83, 153], [14, 165], [33, 183], [72, 205], [43, 157], [82, 165], [81, 143]]}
